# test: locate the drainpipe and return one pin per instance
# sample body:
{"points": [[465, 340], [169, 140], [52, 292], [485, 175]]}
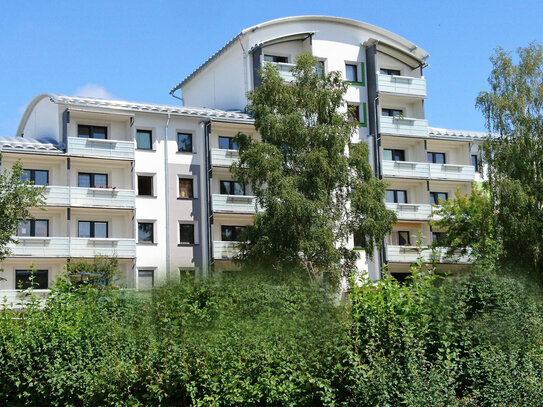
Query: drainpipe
{"points": [[245, 80], [167, 197]]}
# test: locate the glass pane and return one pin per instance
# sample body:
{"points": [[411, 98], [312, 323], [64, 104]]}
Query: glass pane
{"points": [[99, 132], [83, 131], [145, 279], [100, 180], [84, 229], [24, 228], [41, 177], [359, 240], [319, 68], [186, 234], [403, 238], [184, 142], [387, 155], [386, 112], [402, 196], [234, 145], [398, 155], [145, 232], [185, 188], [475, 163], [351, 73], [432, 198], [225, 187], [100, 229], [23, 279], [227, 233], [442, 196], [225, 143], [238, 189], [143, 139], [84, 180], [390, 196], [41, 228], [26, 175], [439, 158]]}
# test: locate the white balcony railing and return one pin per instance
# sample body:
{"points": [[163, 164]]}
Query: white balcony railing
{"points": [[103, 197], [402, 85], [90, 247], [285, 70], [408, 254], [224, 250], [223, 158], [403, 126], [405, 169], [101, 148], [41, 247], [234, 204], [452, 172], [411, 211], [57, 195]]}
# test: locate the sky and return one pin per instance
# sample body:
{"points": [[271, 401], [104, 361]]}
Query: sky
{"points": [[138, 50]]}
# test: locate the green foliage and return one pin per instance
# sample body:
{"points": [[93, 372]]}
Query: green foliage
{"points": [[16, 197], [316, 186], [106, 267]]}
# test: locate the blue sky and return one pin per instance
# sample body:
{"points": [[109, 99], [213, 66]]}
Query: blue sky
{"points": [[138, 50]]}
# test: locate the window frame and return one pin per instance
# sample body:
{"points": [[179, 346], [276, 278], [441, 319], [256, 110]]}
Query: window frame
{"points": [[435, 194], [274, 57], [32, 175], [192, 195], [32, 227], [92, 229], [393, 151], [190, 135], [395, 192], [91, 128], [396, 72], [232, 188], [408, 241], [147, 270], [237, 230], [92, 182], [147, 222], [190, 242], [28, 272], [476, 165], [152, 177], [150, 133], [353, 108], [231, 143], [351, 65], [390, 112], [434, 154]]}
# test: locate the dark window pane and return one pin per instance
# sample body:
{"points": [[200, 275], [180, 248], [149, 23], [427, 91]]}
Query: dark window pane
{"points": [[276, 58], [403, 238], [225, 143], [100, 229], [25, 279], [41, 228], [351, 72], [353, 112], [145, 185], [99, 132], [475, 162], [385, 71], [24, 228], [100, 180], [231, 233], [185, 188], [436, 158], [238, 189], [186, 234], [83, 131], [359, 240], [145, 232], [436, 236], [84, 180], [391, 112], [84, 229], [41, 177], [225, 187], [143, 139], [184, 142]]}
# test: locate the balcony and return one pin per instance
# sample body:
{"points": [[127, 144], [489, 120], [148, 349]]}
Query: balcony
{"points": [[285, 70], [103, 197], [408, 254], [411, 211], [397, 126], [401, 85], [56, 195], [234, 204], [92, 147], [452, 172], [41, 247], [90, 247], [224, 250], [405, 169], [223, 158]]}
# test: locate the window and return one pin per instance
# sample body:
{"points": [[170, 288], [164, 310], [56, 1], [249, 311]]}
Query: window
{"points": [[184, 142], [26, 278], [475, 162], [392, 112], [436, 236], [436, 158], [403, 238], [144, 140], [33, 227], [145, 185], [354, 112], [396, 196], [146, 279], [186, 233], [276, 58], [319, 68], [386, 71], [231, 233], [39, 177], [359, 240], [232, 188], [393, 155], [88, 180], [98, 132], [145, 232], [185, 188], [351, 72], [227, 143], [435, 197], [92, 229]]}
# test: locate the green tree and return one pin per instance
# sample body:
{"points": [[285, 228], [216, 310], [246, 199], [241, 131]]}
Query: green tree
{"points": [[16, 196], [316, 185]]}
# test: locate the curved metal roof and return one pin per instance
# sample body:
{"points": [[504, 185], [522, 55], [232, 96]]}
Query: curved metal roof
{"points": [[27, 144]]}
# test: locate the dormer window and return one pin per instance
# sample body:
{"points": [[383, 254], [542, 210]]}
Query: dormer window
{"points": [[86, 131]]}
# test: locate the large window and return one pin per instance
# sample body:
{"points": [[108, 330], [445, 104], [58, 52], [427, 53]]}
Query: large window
{"points": [[39, 177], [386, 71], [396, 196], [26, 278], [231, 233], [145, 232], [351, 72], [92, 229], [185, 188], [391, 112], [403, 238], [393, 155], [436, 158], [186, 233], [86, 131], [33, 227], [232, 188], [89, 180], [227, 143], [145, 185], [435, 197], [276, 58], [184, 142], [144, 139]]}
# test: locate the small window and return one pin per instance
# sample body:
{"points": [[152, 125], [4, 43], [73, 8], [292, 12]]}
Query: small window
{"points": [[185, 188], [396, 196], [359, 240], [227, 143], [403, 238], [86, 131], [319, 68], [186, 233], [33, 227], [354, 112], [435, 197], [92, 229], [145, 232], [39, 177], [184, 142], [146, 279], [392, 112], [386, 71], [38, 279], [232, 188], [88, 180], [276, 58], [393, 155], [144, 140], [475, 162], [436, 158], [231, 233], [436, 236], [351, 72], [145, 185]]}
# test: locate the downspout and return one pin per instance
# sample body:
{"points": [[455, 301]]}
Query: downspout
{"points": [[245, 80], [167, 197], [207, 181]]}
